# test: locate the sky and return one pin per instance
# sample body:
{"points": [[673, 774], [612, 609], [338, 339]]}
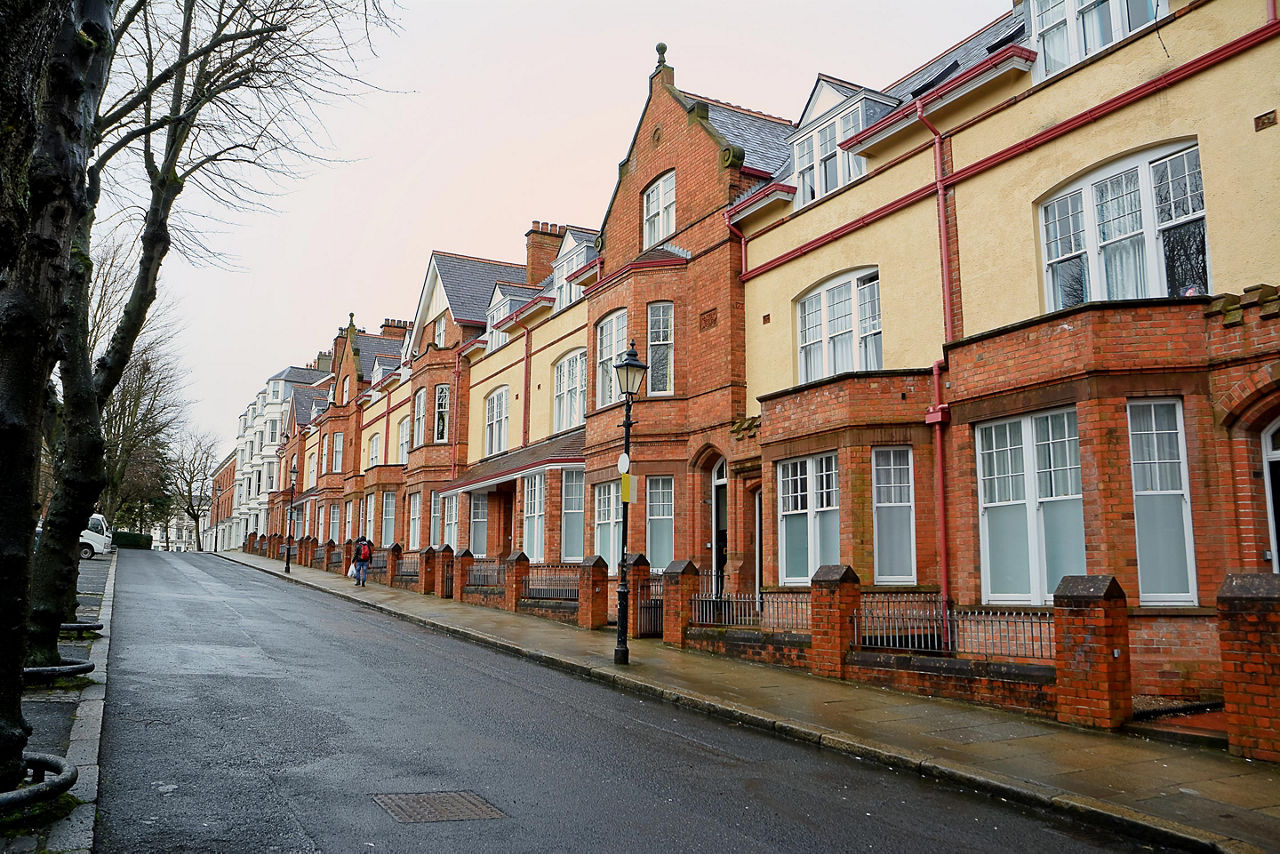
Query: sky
{"points": [[490, 114]]}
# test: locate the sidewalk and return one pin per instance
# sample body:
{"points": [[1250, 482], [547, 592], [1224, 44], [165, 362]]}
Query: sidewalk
{"points": [[1180, 795]]}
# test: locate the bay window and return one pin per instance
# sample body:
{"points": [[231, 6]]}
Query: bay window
{"points": [[660, 521], [572, 505], [333, 521], [441, 433], [449, 507], [893, 516], [419, 416], [808, 516], [661, 326], [402, 430], [375, 450], [337, 452], [1031, 506], [1135, 230], [534, 516], [479, 524], [495, 422], [415, 521], [611, 343], [609, 522], [570, 404], [388, 519]]}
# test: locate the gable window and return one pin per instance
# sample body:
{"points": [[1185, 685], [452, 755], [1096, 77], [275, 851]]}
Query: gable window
{"points": [[415, 521], [661, 323], [570, 404], [534, 516], [479, 524], [809, 516], [1161, 505], [1136, 230], [495, 336], [440, 327], [495, 422], [893, 516], [826, 329], [660, 210], [611, 343], [402, 430], [442, 413], [571, 515], [375, 450], [1031, 506], [567, 292], [337, 452], [1069, 30], [419, 416]]}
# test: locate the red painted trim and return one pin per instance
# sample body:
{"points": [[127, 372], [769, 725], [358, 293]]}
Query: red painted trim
{"points": [[754, 173], [769, 189], [996, 59], [1213, 57], [633, 267], [964, 40]]}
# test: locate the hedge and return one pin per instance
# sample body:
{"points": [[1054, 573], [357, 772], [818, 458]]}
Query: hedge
{"points": [[130, 540]]}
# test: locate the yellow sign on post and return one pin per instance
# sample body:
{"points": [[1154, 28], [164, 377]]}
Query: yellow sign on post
{"points": [[626, 488]]}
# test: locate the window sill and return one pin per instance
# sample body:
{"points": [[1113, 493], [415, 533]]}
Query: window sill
{"points": [[1167, 610]]}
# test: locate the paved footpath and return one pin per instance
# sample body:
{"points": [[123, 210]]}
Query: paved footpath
{"points": [[1194, 797]]}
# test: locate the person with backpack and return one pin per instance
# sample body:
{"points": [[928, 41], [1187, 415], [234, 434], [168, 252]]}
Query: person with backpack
{"points": [[362, 553]]}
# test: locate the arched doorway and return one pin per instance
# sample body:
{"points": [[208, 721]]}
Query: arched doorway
{"points": [[719, 524], [1271, 475]]}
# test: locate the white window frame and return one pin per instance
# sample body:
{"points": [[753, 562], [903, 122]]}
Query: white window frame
{"points": [[346, 388], [611, 343], [415, 521], [802, 493], [1159, 469], [324, 453], [402, 430], [573, 493], [440, 428], [661, 329], [495, 421], [479, 512], [566, 292], [436, 542], [440, 330], [449, 509], [1009, 478], [1070, 227], [496, 337], [370, 506], [333, 521], [1064, 22], [337, 451], [569, 405], [608, 516], [535, 516], [375, 450], [838, 326], [419, 416], [388, 531], [659, 505], [660, 209], [311, 471], [347, 524], [893, 488]]}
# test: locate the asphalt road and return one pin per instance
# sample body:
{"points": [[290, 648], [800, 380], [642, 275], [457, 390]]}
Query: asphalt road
{"points": [[247, 714]]}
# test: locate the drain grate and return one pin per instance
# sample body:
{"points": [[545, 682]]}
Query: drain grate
{"points": [[437, 806]]}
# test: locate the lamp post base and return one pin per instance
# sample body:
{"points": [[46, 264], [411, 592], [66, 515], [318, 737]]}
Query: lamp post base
{"points": [[621, 655]]}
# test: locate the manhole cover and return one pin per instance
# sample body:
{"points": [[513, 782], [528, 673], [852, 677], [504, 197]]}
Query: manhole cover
{"points": [[437, 806]]}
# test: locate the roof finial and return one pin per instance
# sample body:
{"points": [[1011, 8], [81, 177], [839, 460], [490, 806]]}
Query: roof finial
{"points": [[662, 54]]}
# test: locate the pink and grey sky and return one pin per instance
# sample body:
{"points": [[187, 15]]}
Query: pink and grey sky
{"points": [[494, 114]]}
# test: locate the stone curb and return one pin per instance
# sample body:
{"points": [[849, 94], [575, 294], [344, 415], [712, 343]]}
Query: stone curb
{"points": [[1079, 807], [75, 833]]}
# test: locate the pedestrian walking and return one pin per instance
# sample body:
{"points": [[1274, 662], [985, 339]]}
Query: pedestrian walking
{"points": [[362, 554]]}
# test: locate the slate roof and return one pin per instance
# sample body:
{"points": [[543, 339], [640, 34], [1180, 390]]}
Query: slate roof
{"points": [[763, 138], [302, 401], [659, 253], [522, 292], [563, 446], [583, 235], [468, 283], [373, 346], [294, 374], [969, 52]]}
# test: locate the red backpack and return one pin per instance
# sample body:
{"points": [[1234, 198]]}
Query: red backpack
{"points": [[363, 552]]}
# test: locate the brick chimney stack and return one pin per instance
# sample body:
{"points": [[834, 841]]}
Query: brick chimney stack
{"points": [[395, 328], [543, 244]]}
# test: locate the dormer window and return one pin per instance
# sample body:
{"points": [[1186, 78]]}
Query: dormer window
{"points": [[660, 210], [820, 168], [566, 292], [1067, 31], [495, 336]]}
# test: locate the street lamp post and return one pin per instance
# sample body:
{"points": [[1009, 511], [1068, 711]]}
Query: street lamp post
{"points": [[288, 543], [631, 373]]}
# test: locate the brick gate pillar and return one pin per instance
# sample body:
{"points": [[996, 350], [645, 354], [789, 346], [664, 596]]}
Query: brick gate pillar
{"points": [[461, 567], [593, 593], [517, 572], [679, 584], [444, 569], [1091, 635], [1249, 634], [835, 595], [638, 582], [426, 571]]}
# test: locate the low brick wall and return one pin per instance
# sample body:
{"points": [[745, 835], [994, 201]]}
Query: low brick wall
{"points": [[1175, 655], [1026, 688], [784, 648], [489, 597], [405, 580], [560, 610]]}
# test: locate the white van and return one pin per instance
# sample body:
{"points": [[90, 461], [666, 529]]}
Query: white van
{"points": [[95, 538]]}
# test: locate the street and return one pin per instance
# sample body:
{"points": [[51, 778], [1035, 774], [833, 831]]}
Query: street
{"points": [[248, 714]]}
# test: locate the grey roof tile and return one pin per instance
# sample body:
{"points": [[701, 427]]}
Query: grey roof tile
{"points": [[295, 374], [563, 446], [763, 139], [373, 346], [303, 398], [468, 283], [969, 52]]}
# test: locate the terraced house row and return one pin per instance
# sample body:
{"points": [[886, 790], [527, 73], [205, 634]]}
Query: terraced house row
{"points": [[1009, 319]]}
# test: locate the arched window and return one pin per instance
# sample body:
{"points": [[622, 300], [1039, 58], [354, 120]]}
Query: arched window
{"points": [[660, 209], [495, 422], [838, 326], [571, 391]]}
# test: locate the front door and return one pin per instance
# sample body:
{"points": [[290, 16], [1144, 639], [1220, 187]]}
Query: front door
{"points": [[1271, 472], [719, 524]]}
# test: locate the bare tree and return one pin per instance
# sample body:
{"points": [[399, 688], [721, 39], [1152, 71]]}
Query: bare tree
{"points": [[191, 473]]}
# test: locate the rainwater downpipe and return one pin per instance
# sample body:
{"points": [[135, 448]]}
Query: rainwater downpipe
{"points": [[742, 241], [938, 413], [528, 379], [453, 412]]}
